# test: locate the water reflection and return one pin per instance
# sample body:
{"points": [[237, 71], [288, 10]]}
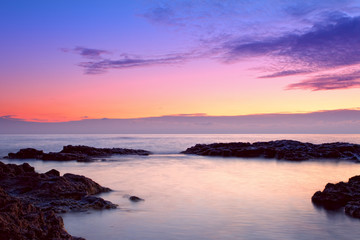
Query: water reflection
{"points": [[215, 198], [195, 197]]}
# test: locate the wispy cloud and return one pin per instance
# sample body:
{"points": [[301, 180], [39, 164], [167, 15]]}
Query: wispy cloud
{"points": [[286, 73], [327, 45], [101, 66], [324, 45], [187, 115], [89, 53], [8, 117], [329, 82], [304, 38]]}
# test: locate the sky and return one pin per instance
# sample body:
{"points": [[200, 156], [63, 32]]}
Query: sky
{"points": [[65, 60]]}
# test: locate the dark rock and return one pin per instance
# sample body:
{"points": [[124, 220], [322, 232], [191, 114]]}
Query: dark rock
{"points": [[52, 156], [78, 153], [53, 172], [20, 220], [135, 199], [339, 195], [281, 149], [102, 152], [50, 190], [27, 153]]}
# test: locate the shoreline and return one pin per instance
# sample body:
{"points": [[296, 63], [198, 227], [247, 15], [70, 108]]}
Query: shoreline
{"points": [[33, 199]]}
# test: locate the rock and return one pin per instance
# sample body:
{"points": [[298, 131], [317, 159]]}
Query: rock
{"points": [[102, 152], [339, 195], [53, 172], [65, 193], [51, 156], [20, 220], [78, 153], [135, 199], [281, 149], [27, 153]]}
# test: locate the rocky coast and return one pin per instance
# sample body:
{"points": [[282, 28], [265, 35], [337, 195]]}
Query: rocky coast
{"points": [[29, 201], [340, 195], [280, 149], [79, 153]]}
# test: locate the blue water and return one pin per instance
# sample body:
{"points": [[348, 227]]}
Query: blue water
{"points": [[195, 197]]}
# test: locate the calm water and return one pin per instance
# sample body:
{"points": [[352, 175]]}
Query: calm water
{"points": [[194, 197]]}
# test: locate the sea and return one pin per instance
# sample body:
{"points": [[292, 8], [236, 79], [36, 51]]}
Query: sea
{"points": [[197, 197]]}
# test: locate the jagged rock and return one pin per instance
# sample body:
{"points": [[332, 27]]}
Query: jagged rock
{"points": [[69, 192], [29, 201], [280, 149], [20, 220], [339, 195], [78, 153], [26, 153]]}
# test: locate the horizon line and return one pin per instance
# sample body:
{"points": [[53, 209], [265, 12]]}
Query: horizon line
{"points": [[35, 120]]}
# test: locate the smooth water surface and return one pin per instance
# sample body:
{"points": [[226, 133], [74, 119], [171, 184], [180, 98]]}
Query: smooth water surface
{"points": [[195, 197]]}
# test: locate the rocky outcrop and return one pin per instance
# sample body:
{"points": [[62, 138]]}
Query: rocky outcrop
{"points": [[20, 220], [29, 201], [78, 153], [49, 190], [280, 149], [339, 195]]}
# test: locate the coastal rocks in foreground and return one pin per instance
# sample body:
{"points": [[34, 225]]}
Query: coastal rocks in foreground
{"points": [[78, 153], [29, 201], [339, 195], [20, 220], [280, 149], [49, 190]]}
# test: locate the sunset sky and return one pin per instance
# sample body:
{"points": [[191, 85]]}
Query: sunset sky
{"points": [[67, 60]]}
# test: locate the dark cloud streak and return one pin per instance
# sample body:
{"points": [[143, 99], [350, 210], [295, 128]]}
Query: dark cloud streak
{"points": [[286, 73], [101, 66], [324, 46], [329, 82], [89, 53]]}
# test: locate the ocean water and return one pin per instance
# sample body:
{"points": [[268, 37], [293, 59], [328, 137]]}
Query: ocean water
{"points": [[196, 197]]}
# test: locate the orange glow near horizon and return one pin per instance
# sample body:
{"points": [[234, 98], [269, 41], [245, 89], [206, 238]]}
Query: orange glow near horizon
{"points": [[131, 63], [226, 90]]}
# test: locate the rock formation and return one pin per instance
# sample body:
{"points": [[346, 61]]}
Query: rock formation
{"points": [[280, 149], [29, 201], [20, 220], [339, 195], [50, 190], [78, 153]]}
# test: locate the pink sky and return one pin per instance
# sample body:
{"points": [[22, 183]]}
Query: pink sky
{"points": [[140, 60]]}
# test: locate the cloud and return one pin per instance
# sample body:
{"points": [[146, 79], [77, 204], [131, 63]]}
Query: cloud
{"points": [[89, 53], [286, 73], [187, 115], [329, 82], [11, 117], [163, 15], [332, 45], [304, 37], [8, 117], [101, 66]]}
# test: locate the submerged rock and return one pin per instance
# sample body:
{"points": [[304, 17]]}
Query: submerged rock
{"points": [[339, 195], [79, 153], [135, 199], [280, 149]]}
